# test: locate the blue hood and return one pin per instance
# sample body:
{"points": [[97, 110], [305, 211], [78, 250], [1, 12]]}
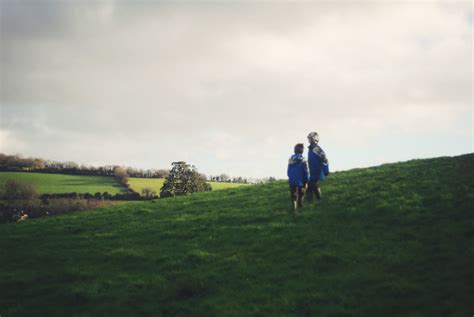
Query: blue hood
{"points": [[295, 158]]}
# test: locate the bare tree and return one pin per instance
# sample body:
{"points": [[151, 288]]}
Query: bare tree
{"points": [[19, 190], [121, 175]]}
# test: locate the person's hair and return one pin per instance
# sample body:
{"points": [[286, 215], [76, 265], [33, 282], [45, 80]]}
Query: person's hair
{"points": [[299, 148]]}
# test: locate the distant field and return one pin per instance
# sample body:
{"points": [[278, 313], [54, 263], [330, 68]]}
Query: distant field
{"points": [[59, 183], [137, 184], [218, 186]]}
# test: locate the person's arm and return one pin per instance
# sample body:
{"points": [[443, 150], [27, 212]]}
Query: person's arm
{"points": [[305, 174], [323, 156]]}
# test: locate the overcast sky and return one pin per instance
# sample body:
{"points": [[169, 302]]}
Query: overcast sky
{"points": [[232, 87]]}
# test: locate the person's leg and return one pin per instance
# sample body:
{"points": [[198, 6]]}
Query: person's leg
{"points": [[317, 191], [293, 197], [300, 196], [310, 192]]}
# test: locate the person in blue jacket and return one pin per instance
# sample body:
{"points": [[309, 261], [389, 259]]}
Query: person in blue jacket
{"points": [[298, 176], [318, 167]]}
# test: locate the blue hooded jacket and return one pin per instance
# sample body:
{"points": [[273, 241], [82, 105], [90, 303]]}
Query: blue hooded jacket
{"points": [[316, 159], [297, 170]]}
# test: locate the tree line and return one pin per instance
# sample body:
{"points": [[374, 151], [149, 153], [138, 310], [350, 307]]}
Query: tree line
{"points": [[224, 178], [16, 163]]}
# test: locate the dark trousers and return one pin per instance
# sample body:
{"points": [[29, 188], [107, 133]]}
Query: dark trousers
{"points": [[297, 194], [313, 191]]}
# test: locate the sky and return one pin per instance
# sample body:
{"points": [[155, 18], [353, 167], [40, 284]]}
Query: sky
{"points": [[232, 86]]}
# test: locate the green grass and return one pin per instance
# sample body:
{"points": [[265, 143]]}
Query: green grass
{"points": [[137, 184], [393, 240], [220, 185], [59, 183]]}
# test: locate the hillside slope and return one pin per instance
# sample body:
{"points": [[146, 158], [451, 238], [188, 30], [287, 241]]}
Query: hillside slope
{"points": [[393, 240]]}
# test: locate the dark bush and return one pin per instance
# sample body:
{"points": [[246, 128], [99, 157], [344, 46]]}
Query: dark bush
{"points": [[127, 196], [97, 196]]}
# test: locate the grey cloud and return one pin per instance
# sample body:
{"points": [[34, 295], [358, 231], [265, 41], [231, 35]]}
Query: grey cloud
{"points": [[228, 86]]}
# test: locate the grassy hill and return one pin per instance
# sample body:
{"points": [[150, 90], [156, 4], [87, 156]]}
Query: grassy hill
{"points": [[393, 240], [137, 184], [60, 183]]}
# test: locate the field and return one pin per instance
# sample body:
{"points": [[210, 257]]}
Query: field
{"points": [[59, 183], [137, 184], [393, 240]]}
